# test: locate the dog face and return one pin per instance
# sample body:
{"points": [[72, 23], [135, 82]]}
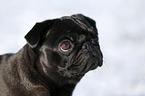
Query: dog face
{"points": [[68, 47]]}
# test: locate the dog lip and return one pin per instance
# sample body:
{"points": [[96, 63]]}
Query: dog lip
{"points": [[66, 73], [84, 56], [82, 61]]}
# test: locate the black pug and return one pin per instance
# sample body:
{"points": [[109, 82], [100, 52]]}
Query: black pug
{"points": [[58, 54]]}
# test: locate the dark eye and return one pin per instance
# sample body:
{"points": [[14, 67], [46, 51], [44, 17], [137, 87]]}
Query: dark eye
{"points": [[66, 46]]}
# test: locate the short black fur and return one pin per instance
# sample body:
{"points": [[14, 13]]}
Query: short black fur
{"points": [[58, 54]]}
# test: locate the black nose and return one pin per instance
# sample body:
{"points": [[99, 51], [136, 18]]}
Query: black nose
{"points": [[89, 46], [89, 49], [93, 51], [85, 46]]}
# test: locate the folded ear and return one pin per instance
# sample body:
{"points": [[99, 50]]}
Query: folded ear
{"points": [[35, 35], [92, 22]]}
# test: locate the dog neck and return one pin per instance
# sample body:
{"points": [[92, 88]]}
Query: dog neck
{"points": [[45, 84]]}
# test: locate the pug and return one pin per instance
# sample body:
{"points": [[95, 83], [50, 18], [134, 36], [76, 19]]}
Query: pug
{"points": [[57, 55]]}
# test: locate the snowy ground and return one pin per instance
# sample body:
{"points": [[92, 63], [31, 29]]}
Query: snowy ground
{"points": [[121, 25]]}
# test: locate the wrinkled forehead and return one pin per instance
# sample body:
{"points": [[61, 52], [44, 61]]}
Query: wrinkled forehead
{"points": [[75, 24], [71, 27], [80, 21]]}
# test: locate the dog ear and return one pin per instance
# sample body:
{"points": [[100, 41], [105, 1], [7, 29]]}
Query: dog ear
{"points": [[35, 35], [89, 22], [92, 22]]}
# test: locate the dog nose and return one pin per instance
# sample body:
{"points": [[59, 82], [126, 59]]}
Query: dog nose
{"points": [[86, 45], [93, 52], [90, 48]]}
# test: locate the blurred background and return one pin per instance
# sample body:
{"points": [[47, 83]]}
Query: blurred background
{"points": [[121, 26]]}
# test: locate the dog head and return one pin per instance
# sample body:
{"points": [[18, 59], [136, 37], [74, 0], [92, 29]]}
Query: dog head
{"points": [[68, 47]]}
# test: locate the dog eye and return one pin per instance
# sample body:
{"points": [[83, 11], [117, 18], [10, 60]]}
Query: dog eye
{"points": [[65, 46]]}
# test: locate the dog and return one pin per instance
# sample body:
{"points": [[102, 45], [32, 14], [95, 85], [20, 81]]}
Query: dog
{"points": [[57, 55]]}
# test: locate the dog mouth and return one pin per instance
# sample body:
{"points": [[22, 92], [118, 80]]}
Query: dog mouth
{"points": [[81, 63], [84, 62]]}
